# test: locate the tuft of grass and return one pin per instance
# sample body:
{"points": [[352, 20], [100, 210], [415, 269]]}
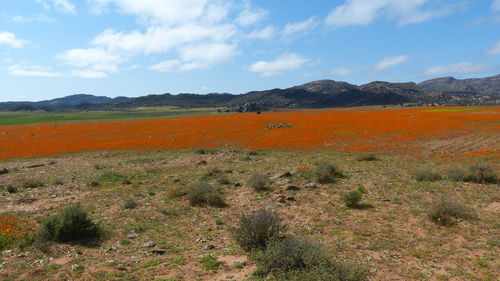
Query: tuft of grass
{"points": [[367, 157], [482, 172], [352, 198], [327, 173], [210, 263], [11, 188], [204, 193], [259, 182], [426, 174], [130, 203], [301, 259], [255, 230], [457, 174], [70, 225], [223, 179], [446, 212], [33, 183]]}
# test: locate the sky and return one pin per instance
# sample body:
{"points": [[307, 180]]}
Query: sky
{"points": [[55, 48]]}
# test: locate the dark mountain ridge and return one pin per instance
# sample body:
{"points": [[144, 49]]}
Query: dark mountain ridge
{"points": [[316, 94]]}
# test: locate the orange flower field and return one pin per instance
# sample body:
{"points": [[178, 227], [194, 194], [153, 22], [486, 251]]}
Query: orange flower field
{"points": [[431, 131]]}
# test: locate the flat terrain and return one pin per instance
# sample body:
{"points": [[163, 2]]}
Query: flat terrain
{"points": [[394, 239]]}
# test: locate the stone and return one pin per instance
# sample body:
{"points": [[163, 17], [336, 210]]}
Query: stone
{"points": [[127, 182], [133, 236], [36, 166], [158, 251], [149, 244], [4, 171], [281, 199], [94, 184], [292, 188], [237, 184], [312, 185], [177, 180], [286, 175], [290, 198], [203, 162], [208, 247], [239, 264]]}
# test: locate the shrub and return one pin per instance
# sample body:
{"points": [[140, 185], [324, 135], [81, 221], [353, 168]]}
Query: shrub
{"points": [[259, 182], [253, 153], [33, 183], [11, 188], [130, 203], [254, 231], [223, 179], [457, 174], [210, 263], [204, 193], [426, 175], [445, 212], [482, 173], [367, 157], [70, 225], [327, 173], [352, 199], [301, 259]]}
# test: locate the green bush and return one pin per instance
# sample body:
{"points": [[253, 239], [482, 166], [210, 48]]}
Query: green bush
{"points": [[210, 263], [426, 175], [301, 259], [130, 203], [33, 183], [446, 212], [457, 174], [352, 198], [11, 188], [70, 225], [367, 157], [259, 182], [482, 173], [254, 231], [204, 193], [327, 173]]}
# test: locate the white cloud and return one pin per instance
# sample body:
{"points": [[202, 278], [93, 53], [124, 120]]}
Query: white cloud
{"points": [[248, 17], [496, 5], [166, 66], [364, 12], [64, 6], [293, 29], [33, 18], [343, 71], [458, 68], [44, 4], [493, 50], [390, 62], [265, 33], [276, 67], [90, 63], [8, 38], [89, 74], [31, 71]]}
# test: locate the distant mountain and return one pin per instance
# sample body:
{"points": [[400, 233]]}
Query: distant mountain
{"points": [[316, 94]]}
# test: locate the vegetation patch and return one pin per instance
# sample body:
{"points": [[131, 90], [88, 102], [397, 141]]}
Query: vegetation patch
{"points": [[446, 212], [328, 173], [426, 174], [204, 193], [210, 263], [259, 182]]}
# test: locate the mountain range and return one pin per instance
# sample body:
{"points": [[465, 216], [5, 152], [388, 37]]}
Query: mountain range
{"points": [[316, 94]]}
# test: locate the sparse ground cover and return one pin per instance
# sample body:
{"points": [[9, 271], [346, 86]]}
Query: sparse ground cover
{"points": [[407, 214], [164, 237]]}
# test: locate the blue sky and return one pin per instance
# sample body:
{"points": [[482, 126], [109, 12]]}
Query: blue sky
{"points": [[54, 48]]}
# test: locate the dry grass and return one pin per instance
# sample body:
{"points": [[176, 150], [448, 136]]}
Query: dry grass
{"points": [[393, 240]]}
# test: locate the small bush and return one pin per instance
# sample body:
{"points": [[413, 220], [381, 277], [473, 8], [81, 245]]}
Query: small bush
{"points": [[254, 231], [457, 174], [223, 179], [11, 189], [204, 193], [426, 175], [301, 259], [352, 199], [70, 225], [367, 157], [482, 173], [210, 263], [253, 153], [130, 203], [328, 173], [33, 183], [446, 212], [259, 182]]}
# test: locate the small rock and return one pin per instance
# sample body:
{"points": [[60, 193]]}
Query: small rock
{"points": [[281, 199], [237, 184], [177, 180], [158, 251], [286, 175], [312, 185], [290, 198], [208, 247], [228, 171], [292, 188], [52, 163], [36, 166], [133, 236], [127, 182], [94, 184], [239, 263], [7, 252], [4, 171], [203, 162], [149, 244]]}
